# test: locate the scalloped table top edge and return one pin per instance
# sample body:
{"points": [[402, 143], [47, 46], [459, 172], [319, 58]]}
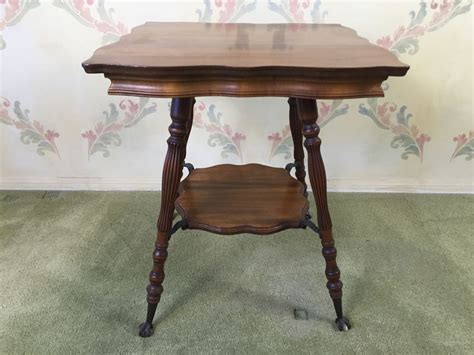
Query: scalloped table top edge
{"points": [[187, 59]]}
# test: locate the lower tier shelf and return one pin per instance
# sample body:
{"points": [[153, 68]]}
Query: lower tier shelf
{"points": [[231, 199]]}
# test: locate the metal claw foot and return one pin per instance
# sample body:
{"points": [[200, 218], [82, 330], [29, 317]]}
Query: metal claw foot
{"points": [[145, 330], [343, 324]]}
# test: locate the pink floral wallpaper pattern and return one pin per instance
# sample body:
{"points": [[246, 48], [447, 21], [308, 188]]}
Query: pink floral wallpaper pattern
{"points": [[31, 131], [428, 18], [405, 41], [386, 114], [224, 11], [14, 10], [95, 14], [106, 133], [220, 134], [282, 143], [298, 11], [464, 146]]}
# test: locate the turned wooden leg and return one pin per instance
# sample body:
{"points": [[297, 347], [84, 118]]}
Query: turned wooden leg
{"points": [[308, 114], [189, 126], [181, 113], [298, 152]]}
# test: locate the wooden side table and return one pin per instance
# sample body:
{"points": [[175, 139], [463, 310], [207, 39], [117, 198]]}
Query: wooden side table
{"points": [[298, 61]]}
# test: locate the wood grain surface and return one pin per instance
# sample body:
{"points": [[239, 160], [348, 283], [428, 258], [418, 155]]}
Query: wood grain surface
{"points": [[202, 59], [231, 199]]}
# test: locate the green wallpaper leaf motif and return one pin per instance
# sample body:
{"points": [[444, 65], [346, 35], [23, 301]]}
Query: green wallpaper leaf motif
{"points": [[405, 40], [464, 146], [94, 14], [31, 131], [427, 19], [296, 11], [403, 138], [221, 134], [371, 112], [409, 46], [282, 142], [14, 10], [407, 136], [225, 11], [106, 134], [328, 112]]}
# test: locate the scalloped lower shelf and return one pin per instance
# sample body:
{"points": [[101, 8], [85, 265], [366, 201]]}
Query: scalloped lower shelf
{"points": [[232, 199]]}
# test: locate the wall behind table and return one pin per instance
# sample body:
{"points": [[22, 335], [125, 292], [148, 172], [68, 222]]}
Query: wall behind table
{"points": [[60, 130]]}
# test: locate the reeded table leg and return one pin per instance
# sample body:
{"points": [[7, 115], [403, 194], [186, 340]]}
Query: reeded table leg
{"points": [[308, 114], [189, 126], [181, 113], [298, 152]]}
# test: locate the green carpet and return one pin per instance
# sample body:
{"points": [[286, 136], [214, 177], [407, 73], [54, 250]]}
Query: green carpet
{"points": [[73, 271]]}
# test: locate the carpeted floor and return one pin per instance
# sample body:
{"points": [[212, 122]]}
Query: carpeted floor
{"points": [[73, 271]]}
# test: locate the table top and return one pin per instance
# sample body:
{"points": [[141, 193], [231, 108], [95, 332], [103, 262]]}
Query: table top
{"points": [[200, 59]]}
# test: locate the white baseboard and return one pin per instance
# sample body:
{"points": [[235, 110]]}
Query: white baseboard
{"points": [[82, 184], [153, 184], [396, 187]]}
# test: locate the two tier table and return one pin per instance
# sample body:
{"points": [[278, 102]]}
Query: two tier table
{"points": [[302, 62]]}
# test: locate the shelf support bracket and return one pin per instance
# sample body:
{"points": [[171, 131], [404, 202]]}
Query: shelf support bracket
{"points": [[188, 166], [297, 166], [290, 166], [182, 224], [308, 223]]}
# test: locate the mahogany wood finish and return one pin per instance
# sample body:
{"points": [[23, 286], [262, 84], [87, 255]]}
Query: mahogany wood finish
{"points": [[202, 59], [181, 115], [231, 199], [308, 114], [297, 136], [304, 62], [189, 126]]}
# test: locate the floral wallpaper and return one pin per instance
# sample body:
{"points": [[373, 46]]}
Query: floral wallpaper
{"points": [[464, 146], [12, 12], [106, 127], [220, 135], [30, 131], [106, 133], [94, 14], [327, 111], [224, 10], [298, 11], [389, 115]]}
